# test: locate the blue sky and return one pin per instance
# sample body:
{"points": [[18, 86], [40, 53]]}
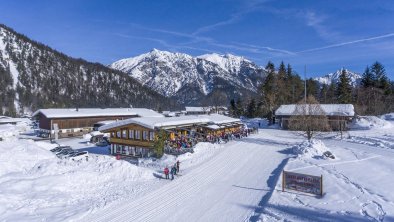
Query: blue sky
{"points": [[324, 35]]}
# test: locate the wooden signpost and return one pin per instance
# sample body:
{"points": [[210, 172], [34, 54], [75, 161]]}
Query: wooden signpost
{"points": [[302, 182]]}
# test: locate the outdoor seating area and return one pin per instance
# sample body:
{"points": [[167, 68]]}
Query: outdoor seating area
{"points": [[181, 133]]}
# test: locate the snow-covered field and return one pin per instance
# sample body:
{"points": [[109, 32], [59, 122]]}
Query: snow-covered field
{"points": [[237, 181]]}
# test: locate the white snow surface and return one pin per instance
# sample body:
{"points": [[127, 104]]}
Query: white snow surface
{"points": [[311, 149], [355, 78], [89, 112], [5, 55], [227, 62], [371, 122], [153, 122], [169, 72], [237, 181], [329, 109]]}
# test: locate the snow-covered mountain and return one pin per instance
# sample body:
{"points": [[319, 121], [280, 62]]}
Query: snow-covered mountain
{"points": [[334, 77], [191, 79]]}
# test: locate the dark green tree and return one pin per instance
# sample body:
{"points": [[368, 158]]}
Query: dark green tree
{"points": [[368, 78], [344, 89]]}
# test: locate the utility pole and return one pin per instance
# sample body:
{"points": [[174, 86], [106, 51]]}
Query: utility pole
{"points": [[305, 83]]}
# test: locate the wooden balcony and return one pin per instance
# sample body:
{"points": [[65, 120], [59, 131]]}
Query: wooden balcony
{"points": [[127, 142]]}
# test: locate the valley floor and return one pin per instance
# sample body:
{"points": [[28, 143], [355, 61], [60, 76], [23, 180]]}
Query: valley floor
{"points": [[237, 181]]}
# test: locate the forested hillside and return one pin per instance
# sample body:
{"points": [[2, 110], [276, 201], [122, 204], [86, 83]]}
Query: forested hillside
{"points": [[34, 76], [373, 95]]}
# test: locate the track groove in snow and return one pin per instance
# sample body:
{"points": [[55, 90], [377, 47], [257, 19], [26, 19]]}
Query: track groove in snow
{"points": [[234, 180]]}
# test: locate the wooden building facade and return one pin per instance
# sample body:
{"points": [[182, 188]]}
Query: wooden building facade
{"points": [[136, 137], [338, 115], [77, 122]]}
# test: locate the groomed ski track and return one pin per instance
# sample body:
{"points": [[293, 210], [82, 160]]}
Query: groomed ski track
{"points": [[228, 187]]}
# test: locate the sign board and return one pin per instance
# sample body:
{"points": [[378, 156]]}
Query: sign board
{"points": [[302, 182]]}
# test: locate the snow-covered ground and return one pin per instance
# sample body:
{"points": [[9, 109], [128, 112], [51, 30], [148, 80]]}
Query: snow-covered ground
{"points": [[237, 181]]}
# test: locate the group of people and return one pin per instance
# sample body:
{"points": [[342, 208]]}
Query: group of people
{"points": [[173, 171], [180, 142], [228, 136]]}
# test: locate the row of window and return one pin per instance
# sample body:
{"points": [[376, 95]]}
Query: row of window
{"points": [[134, 135]]}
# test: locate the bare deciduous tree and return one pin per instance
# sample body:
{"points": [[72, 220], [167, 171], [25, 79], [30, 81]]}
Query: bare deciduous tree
{"points": [[309, 118]]}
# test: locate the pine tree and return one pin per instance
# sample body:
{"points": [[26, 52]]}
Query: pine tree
{"points": [[233, 108], [381, 80], [251, 110], [368, 79], [344, 89], [239, 108]]}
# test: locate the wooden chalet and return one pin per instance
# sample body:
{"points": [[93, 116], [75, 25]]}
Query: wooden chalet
{"points": [[339, 115], [77, 122], [136, 137]]}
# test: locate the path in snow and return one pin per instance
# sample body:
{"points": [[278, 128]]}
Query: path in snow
{"points": [[229, 187]]}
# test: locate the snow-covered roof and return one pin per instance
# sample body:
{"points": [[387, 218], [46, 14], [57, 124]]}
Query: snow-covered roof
{"points": [[197, 109], [329, 109], [105, 122], [92, 112], [158, 122]]}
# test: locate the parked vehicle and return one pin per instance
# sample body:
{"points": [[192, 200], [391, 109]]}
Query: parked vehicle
{"points": [[43, 135], [59, 148], [84, 155], [65, 153], [63, 150], [102, 143]]}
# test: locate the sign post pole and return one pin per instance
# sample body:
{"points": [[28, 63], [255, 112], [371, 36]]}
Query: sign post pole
{"points": [[283, 181], [321, 185]]}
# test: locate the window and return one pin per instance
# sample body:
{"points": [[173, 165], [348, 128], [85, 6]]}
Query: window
{"points": [[151, 136], [124, 134], [137, 135], [131, 134], [113, 134], [118, 134], [145, 135]]}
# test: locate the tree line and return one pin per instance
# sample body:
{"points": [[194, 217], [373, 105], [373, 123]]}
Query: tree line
{"points": [[374, 95]]}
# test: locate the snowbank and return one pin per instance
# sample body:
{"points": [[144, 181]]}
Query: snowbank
{"points": [[255, 122], [388, 116], [9, 130], [202, 151], [370, 122], [35, 185], [312, 149]]}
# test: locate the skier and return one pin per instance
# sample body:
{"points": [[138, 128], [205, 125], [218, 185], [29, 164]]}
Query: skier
{"points": [[173, 171], [177, 166], [166, 172]]}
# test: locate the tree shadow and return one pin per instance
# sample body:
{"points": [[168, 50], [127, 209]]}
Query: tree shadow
{"points": [[264, 141], [304, 214], [102, 150], [250, 188], [271, 183]]}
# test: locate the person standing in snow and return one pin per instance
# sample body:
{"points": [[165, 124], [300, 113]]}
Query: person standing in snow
{"points": [[173, 171], [177, 166], [166, 172], [174, 168]]}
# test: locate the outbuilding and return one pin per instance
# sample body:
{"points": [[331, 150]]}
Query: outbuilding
{"points": [[339, 115]]}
